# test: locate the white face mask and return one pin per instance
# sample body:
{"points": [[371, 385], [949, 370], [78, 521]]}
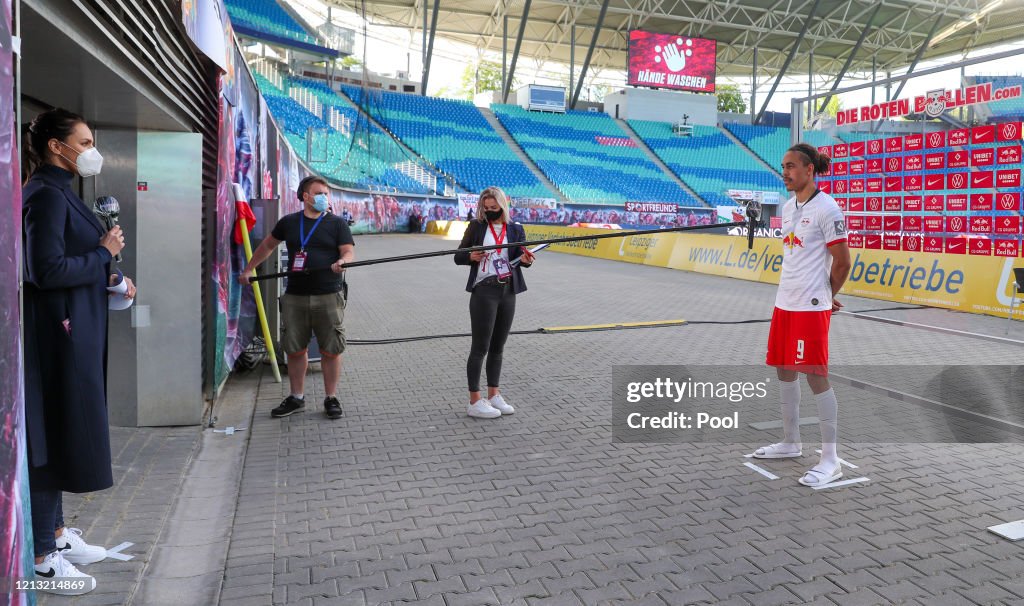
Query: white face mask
{"points": [[89, 162]]}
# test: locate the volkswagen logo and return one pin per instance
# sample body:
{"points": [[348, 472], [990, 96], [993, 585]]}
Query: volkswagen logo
{"points": [[875, 147], [935, 139], [894, 164], [958, 181], [1006, 201], [1009, 131], [956, 224], [875, 204], [912, 243]]}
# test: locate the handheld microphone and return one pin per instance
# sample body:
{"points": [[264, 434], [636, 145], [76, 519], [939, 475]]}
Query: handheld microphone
{"points": [[753, 220], [107, 210]]}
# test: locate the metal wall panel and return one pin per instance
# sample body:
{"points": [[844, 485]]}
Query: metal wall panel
{"points": [[170, 217]]}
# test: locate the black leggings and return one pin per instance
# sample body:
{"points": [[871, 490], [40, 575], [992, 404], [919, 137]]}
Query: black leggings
{"points": [[491, 309]]}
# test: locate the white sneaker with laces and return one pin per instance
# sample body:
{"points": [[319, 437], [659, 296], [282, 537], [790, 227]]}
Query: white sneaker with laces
{"points": [[499, 402], [76, 551], [482, 409], [57, 575]]}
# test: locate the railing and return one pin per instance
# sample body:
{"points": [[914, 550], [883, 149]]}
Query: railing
{"points": [[307, 99], [419, 174], [268, 70]]}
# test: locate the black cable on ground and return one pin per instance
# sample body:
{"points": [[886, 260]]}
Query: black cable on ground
{"points": [[542, 331]]}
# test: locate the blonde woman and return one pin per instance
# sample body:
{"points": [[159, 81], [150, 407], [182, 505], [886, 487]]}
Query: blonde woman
{"points": [[495, 278]]}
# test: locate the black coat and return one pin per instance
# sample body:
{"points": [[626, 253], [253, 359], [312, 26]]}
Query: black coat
{"points": [[474, 236], [66, 274]]}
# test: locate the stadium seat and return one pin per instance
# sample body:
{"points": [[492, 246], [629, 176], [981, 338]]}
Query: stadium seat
{"points": [[589, 158]]}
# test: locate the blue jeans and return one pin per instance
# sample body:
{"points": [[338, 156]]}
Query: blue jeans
{"points": [[47, 516]]}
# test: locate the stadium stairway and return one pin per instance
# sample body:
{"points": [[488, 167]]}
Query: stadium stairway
{"points": [[743, 146], [514, 146], [657, 161]]}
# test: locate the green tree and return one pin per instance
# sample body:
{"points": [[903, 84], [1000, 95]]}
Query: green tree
{"points": [[481, 77], [730, 99], [350, 62], [833, 107]]}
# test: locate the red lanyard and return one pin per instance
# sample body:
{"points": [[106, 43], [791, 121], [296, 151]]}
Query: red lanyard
{"points": [[498, 241]]}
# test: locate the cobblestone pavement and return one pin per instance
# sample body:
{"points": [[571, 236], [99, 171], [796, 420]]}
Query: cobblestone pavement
{"points": [[405, 499]]}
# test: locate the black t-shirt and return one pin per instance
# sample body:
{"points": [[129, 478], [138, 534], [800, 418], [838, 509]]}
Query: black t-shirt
{"points": [[321, 251]]}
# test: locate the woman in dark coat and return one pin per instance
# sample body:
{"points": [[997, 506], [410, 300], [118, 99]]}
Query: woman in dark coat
{"points": [[68, 255], [495, 278]]}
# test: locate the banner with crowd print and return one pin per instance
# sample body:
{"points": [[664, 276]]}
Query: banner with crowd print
{"points": [[239, 140], [378, 213], [16, 534]]}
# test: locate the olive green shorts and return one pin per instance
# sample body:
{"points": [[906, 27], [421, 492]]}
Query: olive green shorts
{"points": [[303, 316]]}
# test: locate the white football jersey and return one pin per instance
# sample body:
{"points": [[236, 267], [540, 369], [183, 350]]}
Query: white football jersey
{"points": [[807, 232]]}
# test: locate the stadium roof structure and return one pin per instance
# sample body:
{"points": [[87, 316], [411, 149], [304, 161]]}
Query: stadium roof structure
{"points": [[843, 35]]}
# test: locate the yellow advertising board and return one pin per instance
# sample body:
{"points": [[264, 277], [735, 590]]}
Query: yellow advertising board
{"points": [[972, 284]]}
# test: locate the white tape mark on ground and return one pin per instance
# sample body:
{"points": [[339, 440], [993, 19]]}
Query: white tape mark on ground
{"points": [[843, 483], [764, 472], [1014, 531], [843, 461], [229, 430], [115, 552]]}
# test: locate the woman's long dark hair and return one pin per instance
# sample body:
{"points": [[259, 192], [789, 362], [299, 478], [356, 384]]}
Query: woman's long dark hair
{"points": [[52, 124]]}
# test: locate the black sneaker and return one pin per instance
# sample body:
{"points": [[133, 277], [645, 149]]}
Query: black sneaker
{"points": [[290, 405], [332, 407]]}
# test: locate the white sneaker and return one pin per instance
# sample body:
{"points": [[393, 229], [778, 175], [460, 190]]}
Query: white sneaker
{"points": [[76, 551], [499, 402], [57, 575], [482, 409]]}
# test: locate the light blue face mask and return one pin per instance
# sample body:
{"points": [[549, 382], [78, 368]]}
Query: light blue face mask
{"points": [[320, 203]]}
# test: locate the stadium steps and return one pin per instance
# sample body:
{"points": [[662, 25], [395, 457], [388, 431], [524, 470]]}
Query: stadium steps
{"points": [[410, 151], [657, 161], [511, 143], [743, 146]]}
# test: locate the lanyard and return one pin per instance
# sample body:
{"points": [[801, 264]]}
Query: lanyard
{"points": [[304, 238], [497, 240]]}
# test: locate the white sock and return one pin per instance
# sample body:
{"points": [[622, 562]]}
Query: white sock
{"points": [[828, 416], [297, 396], [789, 393]]}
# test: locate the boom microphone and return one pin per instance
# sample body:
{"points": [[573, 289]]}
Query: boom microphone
{"points": [[107, 210]]}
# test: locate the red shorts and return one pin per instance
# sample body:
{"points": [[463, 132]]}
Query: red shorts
{"points": [[798, 340]]}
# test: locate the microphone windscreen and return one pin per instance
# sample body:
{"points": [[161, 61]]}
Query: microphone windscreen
{"points": [[107, 205]]}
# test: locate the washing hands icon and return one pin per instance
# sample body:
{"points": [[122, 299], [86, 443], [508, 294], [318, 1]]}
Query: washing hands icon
{"points": [[675, 59]]}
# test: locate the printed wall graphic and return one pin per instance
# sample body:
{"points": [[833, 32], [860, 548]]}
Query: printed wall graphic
{"points": [[235, 311], [15, 533]]}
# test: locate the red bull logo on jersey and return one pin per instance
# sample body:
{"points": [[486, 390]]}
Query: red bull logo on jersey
{"points": [[791, 241]]}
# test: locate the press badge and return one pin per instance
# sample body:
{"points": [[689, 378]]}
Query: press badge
{"points": [[502, 269], [299, 262]]}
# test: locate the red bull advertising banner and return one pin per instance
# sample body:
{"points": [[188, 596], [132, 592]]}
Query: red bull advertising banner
{"points": [[964, 282]]}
